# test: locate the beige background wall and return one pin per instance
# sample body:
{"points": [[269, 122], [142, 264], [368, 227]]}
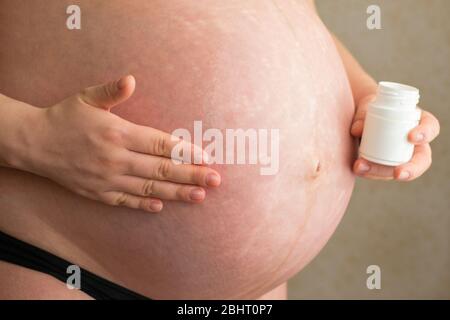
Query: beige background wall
{"points": [[402, 227]]}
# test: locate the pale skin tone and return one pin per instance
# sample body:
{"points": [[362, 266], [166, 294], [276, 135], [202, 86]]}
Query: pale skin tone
{"points": [[24, 147], [82, 146], [92, 152], [364, 90]]}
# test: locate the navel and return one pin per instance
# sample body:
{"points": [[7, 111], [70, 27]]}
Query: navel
{"points": [[316, 169]]}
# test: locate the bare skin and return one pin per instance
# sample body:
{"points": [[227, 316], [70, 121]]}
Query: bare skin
{"points": [[364, 90], [249, 237], [100, 156], [22, 284]]}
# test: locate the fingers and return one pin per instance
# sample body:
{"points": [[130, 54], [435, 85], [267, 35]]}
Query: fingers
{"points": [[358, 120], [108, 95], [155, 142], [426, 131], [144, 194], [370, 170], [163, 169], [419, 163], [160, 189], [131, 201]]}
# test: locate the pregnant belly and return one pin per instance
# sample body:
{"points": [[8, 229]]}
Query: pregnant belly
{"points": [[229, 64]]}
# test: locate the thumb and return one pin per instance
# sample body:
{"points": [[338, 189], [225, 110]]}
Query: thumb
{"points": [[358, 120], [110, 94]]}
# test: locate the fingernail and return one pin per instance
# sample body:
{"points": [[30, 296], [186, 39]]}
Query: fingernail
{"points": [[363, 167], [404, 175], [419, 137], [212, 180], [197, 194], [156, 205]]}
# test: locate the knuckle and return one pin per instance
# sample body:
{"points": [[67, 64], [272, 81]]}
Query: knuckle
{"points": [[163, 169], [120, 200], [110, 164], [160, 146], [106, 161], [181, 193], [113, 135], [147, 188], [108, 90], [196, 173]]}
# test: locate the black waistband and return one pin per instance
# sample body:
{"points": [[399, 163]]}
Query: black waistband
{"points": [[20, 253]]}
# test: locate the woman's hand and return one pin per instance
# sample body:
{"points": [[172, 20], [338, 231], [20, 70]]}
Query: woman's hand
{"points": [[79, 144], [421, 136]]}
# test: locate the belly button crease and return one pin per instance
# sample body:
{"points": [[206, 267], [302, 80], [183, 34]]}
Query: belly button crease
{"points": [[317, 169], [318, 166]]}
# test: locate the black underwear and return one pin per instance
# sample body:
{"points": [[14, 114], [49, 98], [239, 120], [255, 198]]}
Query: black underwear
{"points": [[20, 253]]}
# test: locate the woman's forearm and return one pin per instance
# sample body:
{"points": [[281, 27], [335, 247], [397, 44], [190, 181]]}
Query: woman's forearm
{"points": [[16, 123], [361, 82]]}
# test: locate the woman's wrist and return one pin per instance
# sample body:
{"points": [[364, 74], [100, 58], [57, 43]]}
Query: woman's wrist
{"points": [[18, 127]]}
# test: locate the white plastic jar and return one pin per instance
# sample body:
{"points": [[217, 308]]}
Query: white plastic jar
{"points": [[389, 119]]}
